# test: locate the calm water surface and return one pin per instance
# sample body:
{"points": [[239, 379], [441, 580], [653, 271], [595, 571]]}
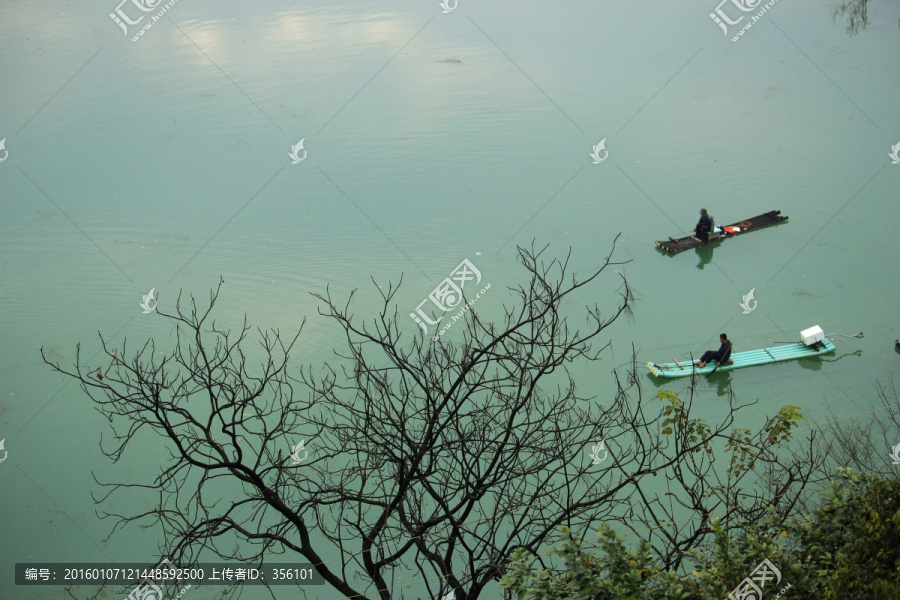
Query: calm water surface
{"points": [[431, 138]]}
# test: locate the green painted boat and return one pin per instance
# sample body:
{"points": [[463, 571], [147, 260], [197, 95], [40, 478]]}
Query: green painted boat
{"points": [[740, 360]]}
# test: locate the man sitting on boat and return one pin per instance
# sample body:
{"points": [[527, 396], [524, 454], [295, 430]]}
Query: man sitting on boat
{"points": [[704, 226], [721, 355]]}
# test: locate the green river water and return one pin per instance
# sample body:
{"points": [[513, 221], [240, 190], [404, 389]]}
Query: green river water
{"points": [[429, 137]]}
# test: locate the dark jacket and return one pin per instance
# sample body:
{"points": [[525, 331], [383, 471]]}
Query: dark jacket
{"points": [[704, 225], [724, 352]]}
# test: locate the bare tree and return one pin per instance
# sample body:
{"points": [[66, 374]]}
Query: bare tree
{"points": [[437, 459], [864, 444], [683, 471]]}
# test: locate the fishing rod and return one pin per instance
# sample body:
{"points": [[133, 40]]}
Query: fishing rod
{"points": [[829, 336]]}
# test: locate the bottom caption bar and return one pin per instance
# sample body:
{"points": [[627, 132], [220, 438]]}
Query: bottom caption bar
{"points": [[165, 574]]}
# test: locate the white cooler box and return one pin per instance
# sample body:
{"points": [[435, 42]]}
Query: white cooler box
{"points": [[812, 335]]}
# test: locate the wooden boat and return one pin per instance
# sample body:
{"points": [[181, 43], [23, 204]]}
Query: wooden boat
{"points": [[740, 360], [674, 246]]}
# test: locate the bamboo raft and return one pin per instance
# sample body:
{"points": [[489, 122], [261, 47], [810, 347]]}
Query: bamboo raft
{"points": [[740, 360], [674, 246]]}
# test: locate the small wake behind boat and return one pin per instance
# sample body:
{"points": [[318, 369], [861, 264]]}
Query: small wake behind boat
{"points": [[674, 246], [813, 343]]}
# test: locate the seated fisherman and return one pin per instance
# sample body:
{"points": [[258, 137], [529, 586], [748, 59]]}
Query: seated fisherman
{"points": [[704, 226], [721, 356]]}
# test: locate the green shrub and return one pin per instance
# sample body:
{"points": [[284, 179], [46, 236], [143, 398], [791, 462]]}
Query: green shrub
{"points": [[848, 548]]}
